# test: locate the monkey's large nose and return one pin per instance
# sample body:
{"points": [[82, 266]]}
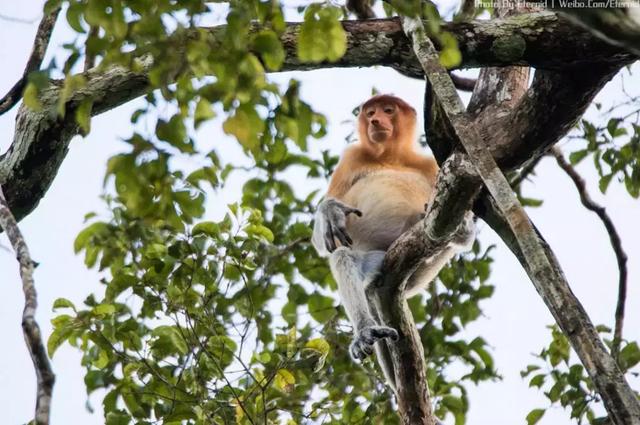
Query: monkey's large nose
{"points": [[375, 122]]}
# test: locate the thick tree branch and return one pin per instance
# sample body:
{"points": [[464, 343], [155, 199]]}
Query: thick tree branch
{"points": [[618, 26], [614, 237], [40, 43], [30, 328], [543, 40], [620, 401]]}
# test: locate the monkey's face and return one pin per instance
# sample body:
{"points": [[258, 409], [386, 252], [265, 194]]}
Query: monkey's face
{"points": [[380, 119]]}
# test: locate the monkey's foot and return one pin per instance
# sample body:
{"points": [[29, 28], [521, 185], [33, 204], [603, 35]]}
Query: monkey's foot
{"points": [[362, 344]]}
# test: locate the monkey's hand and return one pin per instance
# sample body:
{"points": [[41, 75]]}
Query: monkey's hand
{"points": [[331, 222], [366, 337], [466, 233]]}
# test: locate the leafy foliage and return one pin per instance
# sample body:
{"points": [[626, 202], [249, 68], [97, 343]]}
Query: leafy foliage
{"points": [[616, 152], [565, 381], [233, 320]]}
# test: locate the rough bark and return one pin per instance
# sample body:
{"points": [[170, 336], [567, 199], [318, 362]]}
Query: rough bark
{"points": [[30, 327], [543, 40], [618, 26], [536, 257]]}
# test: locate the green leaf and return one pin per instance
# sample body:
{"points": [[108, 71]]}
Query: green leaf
{"points": [[245, 125], [604, 182], [57, 337], [63, 303], [450, 55], [208, 228], [260, 231], [203, 112], [175, 133], [168, 342], [104, 309], [537, 381], [577, 156], [72, 83], [268, 45], [534, 416], [320, 307], [74, 13], [30, 97], [629, 356], [321, 35], [84, 237], [83, 116], [285, 380]]}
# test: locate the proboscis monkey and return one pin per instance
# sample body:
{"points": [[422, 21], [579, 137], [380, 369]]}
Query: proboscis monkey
{"points": [[379, 190]]}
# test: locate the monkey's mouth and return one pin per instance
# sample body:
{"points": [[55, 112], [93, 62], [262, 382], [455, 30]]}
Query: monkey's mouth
{"points": [[379, 134]]}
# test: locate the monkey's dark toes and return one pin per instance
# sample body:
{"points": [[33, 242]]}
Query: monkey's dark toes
{"points": [[363, 342]]}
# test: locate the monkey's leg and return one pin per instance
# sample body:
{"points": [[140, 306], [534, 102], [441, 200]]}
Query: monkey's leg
{"points": [[462, 240], [353, 270], [383, 355]]}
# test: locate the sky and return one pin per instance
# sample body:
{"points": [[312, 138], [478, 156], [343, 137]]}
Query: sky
{"points": [[514, 322]]}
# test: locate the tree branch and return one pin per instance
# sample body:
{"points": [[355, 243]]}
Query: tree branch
{"points": [[620, 401], [617, 25], [40, 43], [614, 237], [30, 328], [41, 140]]}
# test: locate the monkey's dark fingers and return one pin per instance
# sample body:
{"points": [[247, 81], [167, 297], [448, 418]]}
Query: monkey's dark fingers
{"points": [[355, 211], [359, 349], [329, 240], [380, 332], [340, 232]]}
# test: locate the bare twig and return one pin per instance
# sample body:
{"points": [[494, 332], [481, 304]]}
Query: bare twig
{"points": [[17, 20], [614, 237], [40, 43], [30, 328]]}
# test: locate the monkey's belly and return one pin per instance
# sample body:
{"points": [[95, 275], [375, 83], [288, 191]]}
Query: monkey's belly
{"points": [[391, 202]]}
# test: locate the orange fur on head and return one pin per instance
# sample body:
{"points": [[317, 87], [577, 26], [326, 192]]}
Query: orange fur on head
{"points": [[403, 123]]}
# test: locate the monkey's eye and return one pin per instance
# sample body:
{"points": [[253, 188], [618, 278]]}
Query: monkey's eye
{"points": [[370, 113], [389, 110]]}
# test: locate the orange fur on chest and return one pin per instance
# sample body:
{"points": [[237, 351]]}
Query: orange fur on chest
{"points": [[391, 201]]}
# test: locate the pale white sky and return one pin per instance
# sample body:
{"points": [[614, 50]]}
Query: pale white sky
{"points": [[515, 318]]}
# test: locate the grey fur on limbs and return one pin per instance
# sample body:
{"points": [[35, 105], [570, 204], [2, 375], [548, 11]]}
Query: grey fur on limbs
{"points": [[354, 271]]}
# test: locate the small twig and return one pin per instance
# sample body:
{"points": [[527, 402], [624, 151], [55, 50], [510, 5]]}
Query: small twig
{"points": [[30, 328], [614, 237], [463, 83], [40, 43], [17, 20]]}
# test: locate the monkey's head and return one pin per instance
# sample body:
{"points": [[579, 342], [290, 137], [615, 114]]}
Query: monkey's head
{"points": [[386, 124]]}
